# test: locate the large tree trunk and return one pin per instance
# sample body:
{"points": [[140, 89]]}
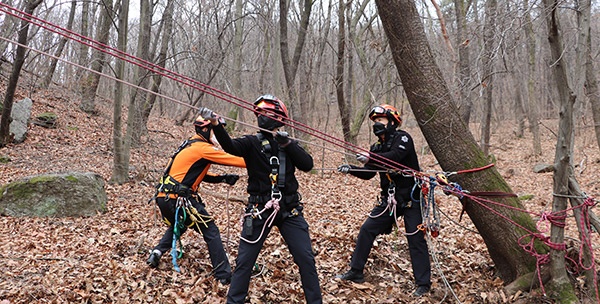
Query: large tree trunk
{"points": [[61, 46], [455, 148], [120, 173], [14, 75], [562, 288]]}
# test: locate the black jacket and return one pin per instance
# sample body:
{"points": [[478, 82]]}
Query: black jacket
{"points": [[257, 162], [400, 149]]}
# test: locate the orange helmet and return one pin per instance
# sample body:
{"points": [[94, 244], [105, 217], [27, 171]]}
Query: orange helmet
{"points": [[272, 104], [387, 111], [201, 122]]}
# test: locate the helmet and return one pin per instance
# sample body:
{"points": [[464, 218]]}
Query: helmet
{"points": [[387, 111], [272, 104]]}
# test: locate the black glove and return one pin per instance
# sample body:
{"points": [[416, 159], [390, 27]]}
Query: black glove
{"points": [[345, 168], [282, 138], [230, 179]]}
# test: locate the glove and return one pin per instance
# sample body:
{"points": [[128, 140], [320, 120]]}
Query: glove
{"points": [[282, 138], [362, 157], [230, 179], [345, 168], [207, 113]]}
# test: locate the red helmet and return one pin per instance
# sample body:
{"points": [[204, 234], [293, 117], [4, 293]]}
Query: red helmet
{"points": [[272, 104], [387, 111]]}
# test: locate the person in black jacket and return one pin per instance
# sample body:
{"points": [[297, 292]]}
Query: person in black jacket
{"points": [[396, 197], [271, 161]]}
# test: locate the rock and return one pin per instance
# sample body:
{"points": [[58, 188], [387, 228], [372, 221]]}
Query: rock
{"points": [[20, 114], [54, 195], [46, 120], [543, 168]]}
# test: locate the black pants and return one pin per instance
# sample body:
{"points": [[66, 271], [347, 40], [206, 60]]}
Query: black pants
{"points": [[417, 246], [211, 235], [294, 231]]}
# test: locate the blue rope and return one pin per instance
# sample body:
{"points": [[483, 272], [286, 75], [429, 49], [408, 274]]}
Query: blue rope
{"points": [[176, 234]]}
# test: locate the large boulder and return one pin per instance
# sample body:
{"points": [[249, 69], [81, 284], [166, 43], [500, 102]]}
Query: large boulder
{"points": [[21, 111], [54, 195]]}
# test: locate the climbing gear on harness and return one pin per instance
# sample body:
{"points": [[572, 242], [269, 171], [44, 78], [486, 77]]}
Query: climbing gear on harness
{"points": [[169, 185]]}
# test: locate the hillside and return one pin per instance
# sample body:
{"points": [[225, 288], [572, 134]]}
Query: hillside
{"points": [[102, 259]]}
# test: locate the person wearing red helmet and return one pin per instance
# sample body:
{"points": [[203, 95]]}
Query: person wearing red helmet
{"points": [[272, 159], [181, 206], [397, 192]]}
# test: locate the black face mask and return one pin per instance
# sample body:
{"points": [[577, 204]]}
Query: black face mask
{"points": [[379, 129], [266, 122], [205, 134]]}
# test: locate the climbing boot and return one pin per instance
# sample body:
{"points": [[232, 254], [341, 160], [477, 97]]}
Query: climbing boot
{"points": [[154, 258], [353, 275]]}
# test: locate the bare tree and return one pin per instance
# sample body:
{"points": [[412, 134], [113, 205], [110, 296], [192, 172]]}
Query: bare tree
{"points": [[487, 65], [562, 288], [30, 6], [89, 83], [532, 111], [135, 126], [120, 173], [290, 66], [61, 46], [461, 7], [167, 31]]}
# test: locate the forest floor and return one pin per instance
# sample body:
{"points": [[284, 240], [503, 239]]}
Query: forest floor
{"points": [[101, 259]]}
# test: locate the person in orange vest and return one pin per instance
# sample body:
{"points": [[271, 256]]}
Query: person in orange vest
{"points": [[272, 158], [180, 205], [396, 198]]}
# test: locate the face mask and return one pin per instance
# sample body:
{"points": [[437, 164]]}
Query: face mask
{"points": [[268, 123], [379, 129], [204, 134]]}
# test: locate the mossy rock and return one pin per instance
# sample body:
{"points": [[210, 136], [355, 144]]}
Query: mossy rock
{"points": [[54, 195], [46, 120]]}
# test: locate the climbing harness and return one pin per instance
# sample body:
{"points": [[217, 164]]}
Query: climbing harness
{"points": [[167, 184], [277, 178]]}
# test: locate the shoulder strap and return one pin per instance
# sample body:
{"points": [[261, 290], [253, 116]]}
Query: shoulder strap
{"points": [[278, 165], [186, 143]]}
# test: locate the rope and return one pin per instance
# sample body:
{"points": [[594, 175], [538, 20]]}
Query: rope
{"points": [[274, 204]]}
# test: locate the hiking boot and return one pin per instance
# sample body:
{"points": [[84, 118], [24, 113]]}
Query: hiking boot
{"points": [[153, 259], [225, 281], [353, 275], [421, 290]]}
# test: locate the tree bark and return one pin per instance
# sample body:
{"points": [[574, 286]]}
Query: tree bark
{"points": [[13, 81], [455, 148], [339, 73]]}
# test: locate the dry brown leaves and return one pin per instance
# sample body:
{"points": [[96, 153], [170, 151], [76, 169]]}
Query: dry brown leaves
{"points": [[102, 259]]}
